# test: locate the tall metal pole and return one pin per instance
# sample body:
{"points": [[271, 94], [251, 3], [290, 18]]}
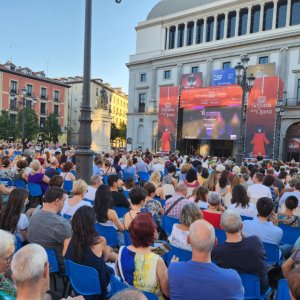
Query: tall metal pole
{"points": [[241, 140], [23, 119], [84, 154]]}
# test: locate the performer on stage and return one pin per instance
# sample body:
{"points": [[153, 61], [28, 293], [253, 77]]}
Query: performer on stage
{"points": [[166, 140], [259, 141]]}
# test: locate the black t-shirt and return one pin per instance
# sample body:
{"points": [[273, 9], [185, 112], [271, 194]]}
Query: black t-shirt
{"points": [[120, 199], [247, 256], [50, 172]]}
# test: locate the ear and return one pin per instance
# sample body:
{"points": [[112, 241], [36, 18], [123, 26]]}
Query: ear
{"points": [[241, 228], [188, 239], [46, 270]]}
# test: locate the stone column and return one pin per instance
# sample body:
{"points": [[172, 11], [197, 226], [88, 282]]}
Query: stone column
{"points": [[215, 27], [237, 22], [204, 29], [261, 17], [208, 72], [195, 32], [226, 25], [288, 13], [153, 87], [274, 14], [185, 34], [168, 37], [282, 67], [176, 36], [179, 73], [249, 20]]}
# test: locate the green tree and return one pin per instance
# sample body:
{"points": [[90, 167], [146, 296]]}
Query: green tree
{"points": [[114, 132], [7, 128], [122, 131], [52, 128], [31, 124]]}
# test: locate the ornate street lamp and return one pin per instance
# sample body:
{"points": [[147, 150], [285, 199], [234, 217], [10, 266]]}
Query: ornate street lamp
{"points": [[84, 154], [246, 82]]}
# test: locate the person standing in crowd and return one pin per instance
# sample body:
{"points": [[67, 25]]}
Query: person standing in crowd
{"points": [[243, 254], [201, 276], [115, 183]]}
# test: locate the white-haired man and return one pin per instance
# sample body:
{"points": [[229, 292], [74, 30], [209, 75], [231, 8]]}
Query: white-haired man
{"points": [[199, 278], [96, 181], [243, 254]]}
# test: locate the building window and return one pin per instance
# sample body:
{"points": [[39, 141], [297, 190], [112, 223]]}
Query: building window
{"points": [[281, 14], [43, 93], [243, 21], [180, 37], [142, 102], [195, 70], [295, 13], [28, 103], [231, 24], [220, 27], [143, 77], [13, 103], [42, 123], [13, 118], [268, 16], [29, 90], [167, 74], [226, 65], [13, 86], [210, 29], [298, 91], [56, 110], [263, 60], [43, 108], [255, 17], [190, 34], [172, 37], [199, 33], [56, 96]]}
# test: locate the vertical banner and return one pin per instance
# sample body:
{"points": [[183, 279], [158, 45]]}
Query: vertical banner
{"points": [[191, 81], [167, 118], [261, 117]]}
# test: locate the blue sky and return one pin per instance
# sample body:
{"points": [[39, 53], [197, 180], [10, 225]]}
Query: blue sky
{"points": [[48, 34]]}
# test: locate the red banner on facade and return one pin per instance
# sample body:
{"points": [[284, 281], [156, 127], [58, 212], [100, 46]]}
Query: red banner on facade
{"points": [[191, 81], [261, 117], [229, 95], [167, 118]]}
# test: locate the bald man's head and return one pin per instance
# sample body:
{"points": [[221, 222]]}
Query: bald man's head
{"points": [[202, 236]]}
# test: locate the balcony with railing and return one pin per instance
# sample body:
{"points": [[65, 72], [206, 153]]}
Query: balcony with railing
{"points": [[13, 104], [13, 91], [44, 97], [56, 99]]}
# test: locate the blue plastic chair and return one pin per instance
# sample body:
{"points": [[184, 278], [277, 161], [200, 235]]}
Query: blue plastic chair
{"points": [[251, 285], [105, 179], [34, 189], [244, 218], [59, 170], [283, 292], [117, 286], [52, 261], [89, 201], [67, 217], [162, 201], [6, 181], [127, 240], [126, 194], [20, 184], [290, 234], [220, 235], [144, 176], [273, 254], [110, 233], [167, 224], [183, 255], [120, 210], [68, 185], [84, 280]]}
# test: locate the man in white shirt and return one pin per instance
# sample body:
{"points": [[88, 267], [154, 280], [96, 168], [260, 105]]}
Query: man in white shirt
{"points": [[96, 181], [258, 190], [296, 193]]}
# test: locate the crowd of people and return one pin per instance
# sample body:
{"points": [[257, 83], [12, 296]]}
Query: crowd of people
{"points": [[203, 195]]}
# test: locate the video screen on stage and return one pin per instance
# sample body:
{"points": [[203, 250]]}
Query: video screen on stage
{"points": [[215, 123]]}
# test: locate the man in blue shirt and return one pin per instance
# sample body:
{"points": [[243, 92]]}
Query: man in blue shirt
{"points": [[199, 278], [97, 167]]}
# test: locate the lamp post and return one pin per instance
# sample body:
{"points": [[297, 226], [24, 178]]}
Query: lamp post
{"points": [[279, 114], [84, 154], [246, 83], [23, 103]]}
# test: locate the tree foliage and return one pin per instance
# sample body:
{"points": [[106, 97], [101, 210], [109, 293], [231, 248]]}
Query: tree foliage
{"points": [[118, 132], [52, 128], [7, 128], [31, 124]]}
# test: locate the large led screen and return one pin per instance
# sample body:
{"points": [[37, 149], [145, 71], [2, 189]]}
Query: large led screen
{"points": [[214, 123]]}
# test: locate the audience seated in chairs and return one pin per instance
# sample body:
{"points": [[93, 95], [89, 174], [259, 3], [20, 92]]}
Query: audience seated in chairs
{"points": [[201, 197], [7, 249], [155, 179], [115, 183], [11, 217], [20, 173], [103, 207], [46, 227], [96, 181], [37, 176], [288, 217], [152, 205], [77, 200], [87, 248], [243, 254], [201, 276], [132, 259], [189, 214]]}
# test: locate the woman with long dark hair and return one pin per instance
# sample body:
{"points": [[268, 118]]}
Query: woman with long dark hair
{"points": [[240, 202], [11, 217], [223, 187], [87, 248], [103, 206]]}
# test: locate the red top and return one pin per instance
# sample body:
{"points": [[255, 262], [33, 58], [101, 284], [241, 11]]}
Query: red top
{"points": [[213, 218], [196, 184]]}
